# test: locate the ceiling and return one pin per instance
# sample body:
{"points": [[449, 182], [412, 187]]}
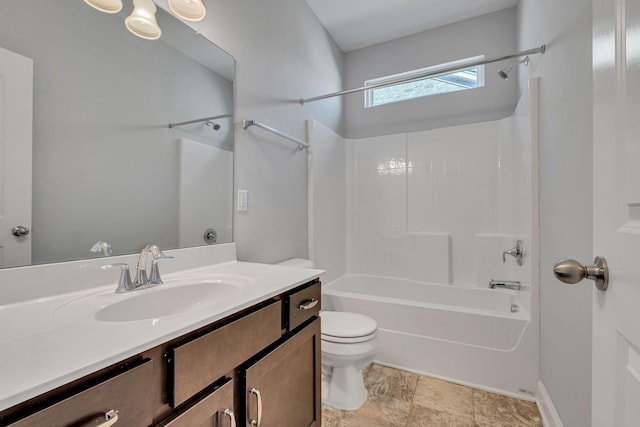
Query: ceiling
{"points": [[355, 24]]}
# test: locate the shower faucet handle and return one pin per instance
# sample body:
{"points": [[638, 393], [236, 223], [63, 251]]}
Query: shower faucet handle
{"points": [[517, 252]]}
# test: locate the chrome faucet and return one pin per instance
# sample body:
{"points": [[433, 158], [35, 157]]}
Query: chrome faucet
{"points": [[517, 252], [505, 284], [141, 278]]}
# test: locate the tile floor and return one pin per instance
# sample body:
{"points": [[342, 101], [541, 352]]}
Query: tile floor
{"points": [[402, 399]]}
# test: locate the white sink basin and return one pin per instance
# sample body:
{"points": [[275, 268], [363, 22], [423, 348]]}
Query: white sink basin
{"points": [[165, 302], [174, 298], [177, 295]]}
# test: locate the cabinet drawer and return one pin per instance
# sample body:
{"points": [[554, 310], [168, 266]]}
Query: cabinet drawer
{"points": [[202, 361], [303, 305], [128, 393], [214, 409]]}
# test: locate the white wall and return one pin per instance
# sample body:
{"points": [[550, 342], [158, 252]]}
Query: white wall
{"points": [[565, 195], [282, 54], [490, 35], [441, 205]]}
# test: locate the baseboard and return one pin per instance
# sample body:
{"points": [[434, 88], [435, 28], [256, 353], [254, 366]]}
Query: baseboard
{"points": [[550, 417]]}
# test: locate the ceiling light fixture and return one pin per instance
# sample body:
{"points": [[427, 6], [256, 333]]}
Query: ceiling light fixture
{"points": [[106, 6], [142, 21], [189, 10]]}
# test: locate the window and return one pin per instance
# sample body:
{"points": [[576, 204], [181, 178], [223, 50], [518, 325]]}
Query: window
{"points": [[462, 79]]}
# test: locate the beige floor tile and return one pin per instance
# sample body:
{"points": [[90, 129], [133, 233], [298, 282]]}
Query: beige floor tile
{"points": [[378, 411], [331, 417], [495, 410], [425, 417], [366, 370], [383, 381], [444, 396]]}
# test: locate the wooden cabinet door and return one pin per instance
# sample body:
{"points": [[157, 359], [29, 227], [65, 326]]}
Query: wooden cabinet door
{"points": [[288, 382]]}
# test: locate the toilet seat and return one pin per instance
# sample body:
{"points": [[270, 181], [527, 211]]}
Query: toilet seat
{"points": [[350, 340], [347, 328]]}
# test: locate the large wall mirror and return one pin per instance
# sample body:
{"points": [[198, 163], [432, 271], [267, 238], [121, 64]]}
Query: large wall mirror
{"points": [[93, 136]]}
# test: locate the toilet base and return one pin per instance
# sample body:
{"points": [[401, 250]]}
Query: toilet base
{"points": [[344, 388]]}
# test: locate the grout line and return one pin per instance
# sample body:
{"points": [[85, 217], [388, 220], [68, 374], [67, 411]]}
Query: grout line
{"points": [[473, 405]]}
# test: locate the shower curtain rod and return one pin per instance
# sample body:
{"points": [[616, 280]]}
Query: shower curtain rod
{"points": [[441, 71], [301, 144], [206, 119]]}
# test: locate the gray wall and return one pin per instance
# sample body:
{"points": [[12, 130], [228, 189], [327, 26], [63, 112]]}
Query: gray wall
{"points": [[565, 169], [283, 53], [491, 35], [101, 146]]}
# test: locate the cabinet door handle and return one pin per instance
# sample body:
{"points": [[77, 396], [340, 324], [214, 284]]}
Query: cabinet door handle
{"points": [[110, 418], [257, 421], [232, 417], [308, 304]]}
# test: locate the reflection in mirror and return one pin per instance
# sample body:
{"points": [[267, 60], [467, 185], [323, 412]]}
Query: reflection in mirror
{"points": [[106, 166]]}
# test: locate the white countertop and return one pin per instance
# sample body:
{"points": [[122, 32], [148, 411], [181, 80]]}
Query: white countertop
{"points": [[48, 342]]}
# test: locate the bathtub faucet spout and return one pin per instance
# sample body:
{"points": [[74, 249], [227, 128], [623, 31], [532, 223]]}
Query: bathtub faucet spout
{"points": [[505, 284]]}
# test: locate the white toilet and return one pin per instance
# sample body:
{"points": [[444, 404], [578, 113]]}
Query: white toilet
{"points": [[349, 344]]}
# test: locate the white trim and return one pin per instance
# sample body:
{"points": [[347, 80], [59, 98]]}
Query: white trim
{"points": [[550, 417]]}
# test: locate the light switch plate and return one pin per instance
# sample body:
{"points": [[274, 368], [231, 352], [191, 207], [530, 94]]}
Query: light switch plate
{"points": [[243, 200]]}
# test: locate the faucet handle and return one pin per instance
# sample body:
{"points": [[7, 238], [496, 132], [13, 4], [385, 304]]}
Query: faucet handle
{"points": [[154, 278], [517, 252], [124, 283]]}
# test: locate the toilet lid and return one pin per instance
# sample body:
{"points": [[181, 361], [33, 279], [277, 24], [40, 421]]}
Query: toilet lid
{"points": [[346, 325]]}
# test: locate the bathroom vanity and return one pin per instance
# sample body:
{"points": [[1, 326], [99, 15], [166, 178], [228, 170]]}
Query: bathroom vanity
{"points": [[248, 358]]}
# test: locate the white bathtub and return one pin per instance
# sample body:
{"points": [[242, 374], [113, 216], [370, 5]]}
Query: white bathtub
{"points": [[467, 335]]}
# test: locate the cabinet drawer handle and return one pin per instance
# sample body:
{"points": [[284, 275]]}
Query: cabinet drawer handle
{"points": [[232, 417], [308, 304], [111, 418], [257, 422]]}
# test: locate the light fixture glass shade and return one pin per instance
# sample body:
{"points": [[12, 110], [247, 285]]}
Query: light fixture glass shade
{"points": [[189, 10], [107, 6], [142, 21]]}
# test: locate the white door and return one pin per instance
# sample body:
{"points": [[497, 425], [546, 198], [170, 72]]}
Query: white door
{"points": [[616, 228], [16, 112]]}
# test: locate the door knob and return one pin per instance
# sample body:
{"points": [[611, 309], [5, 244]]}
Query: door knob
{"points": [[571, 271], [19, 231]]}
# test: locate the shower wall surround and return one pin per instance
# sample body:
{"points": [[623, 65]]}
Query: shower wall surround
{"points": [[441, 205], [437, 206]]}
